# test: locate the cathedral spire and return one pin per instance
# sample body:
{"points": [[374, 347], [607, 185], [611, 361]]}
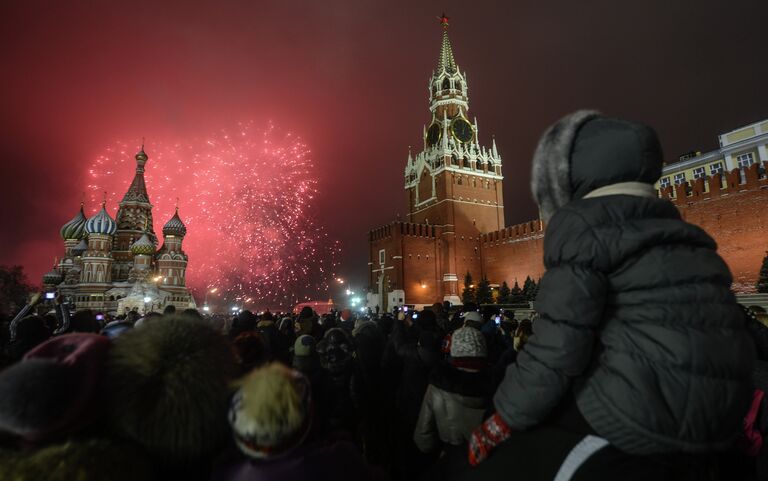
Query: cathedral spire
{"points": [[137, 192], [445, 62]]}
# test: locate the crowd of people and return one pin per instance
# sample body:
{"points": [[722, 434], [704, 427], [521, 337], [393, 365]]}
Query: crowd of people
{"points": [[637, 364]]}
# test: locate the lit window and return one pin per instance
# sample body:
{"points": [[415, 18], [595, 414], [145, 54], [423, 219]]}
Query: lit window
{"points": [[679, 178], [382, 256], [664, 182], [699, 173], [745, 160], [716, 168]]}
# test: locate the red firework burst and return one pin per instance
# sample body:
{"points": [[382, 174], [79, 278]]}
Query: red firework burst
{"points": [[246, 197]]}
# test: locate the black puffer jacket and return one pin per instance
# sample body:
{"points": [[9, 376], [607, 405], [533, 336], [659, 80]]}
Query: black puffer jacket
{"points": [[637, 316]]}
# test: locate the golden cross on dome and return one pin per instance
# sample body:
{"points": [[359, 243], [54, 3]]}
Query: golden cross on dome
{"points": [[104, 202]]}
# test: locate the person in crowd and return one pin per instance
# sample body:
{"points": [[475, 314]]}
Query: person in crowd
{"points": [[168, 388], [242, 322], [369, 349], [347, 320], [250, 350], [305, 322], [52, 403], [419, 351], [29, 332], [625, 376], [456, 399], [515, 335], [336, 356], [271, 416], [169, 310]]}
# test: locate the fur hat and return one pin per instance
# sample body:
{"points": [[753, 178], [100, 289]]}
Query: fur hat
{"points": [[585, 151], [468, 342], [550, 174], [54, 390], [271, 413], [82, 460], [169, 388]]}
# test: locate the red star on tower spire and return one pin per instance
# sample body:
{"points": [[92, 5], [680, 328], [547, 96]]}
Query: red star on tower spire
{"points": [[443, 20]]}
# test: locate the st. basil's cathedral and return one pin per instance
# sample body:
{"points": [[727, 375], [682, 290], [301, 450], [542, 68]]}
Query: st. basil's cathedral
{"points": [[114, 265]]}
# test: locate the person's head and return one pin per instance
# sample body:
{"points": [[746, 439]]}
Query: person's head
{"points": [[169, 387], [427, 320], [305, 358], [346, 315], [523, 332], [169, 310], [584, 151], [55, 391], [473, 319], [30, 331], [271, 412], [336, 350], [468, 348], [191, 313], [250, 349]]}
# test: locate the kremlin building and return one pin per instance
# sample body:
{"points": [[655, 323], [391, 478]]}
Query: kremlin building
{"points": [[114, 265]]}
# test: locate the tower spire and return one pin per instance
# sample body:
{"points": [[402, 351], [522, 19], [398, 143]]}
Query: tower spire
{"points": [[445, 61], [137, 192]]}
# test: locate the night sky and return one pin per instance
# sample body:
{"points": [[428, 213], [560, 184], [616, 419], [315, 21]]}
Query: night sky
{"points": [[350, 78]]}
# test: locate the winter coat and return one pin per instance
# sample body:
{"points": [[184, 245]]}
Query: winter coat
{"points": [[636, 314], [418, 363], [453, 406]]}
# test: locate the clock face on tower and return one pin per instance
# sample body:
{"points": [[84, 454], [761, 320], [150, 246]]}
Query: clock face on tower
{"points": [[461, 130], [433, 134]]}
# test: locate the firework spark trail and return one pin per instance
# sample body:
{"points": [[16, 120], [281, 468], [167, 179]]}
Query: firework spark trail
{"points": [[246, 197]]}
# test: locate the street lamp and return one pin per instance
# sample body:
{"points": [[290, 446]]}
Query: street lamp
{"points": [[147, 299]]}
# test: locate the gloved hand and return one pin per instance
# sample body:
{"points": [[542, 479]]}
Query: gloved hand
{"points": [[485, 438]]}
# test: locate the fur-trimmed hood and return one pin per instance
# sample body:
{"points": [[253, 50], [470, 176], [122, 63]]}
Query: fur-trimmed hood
{"points": [[585, 151]]}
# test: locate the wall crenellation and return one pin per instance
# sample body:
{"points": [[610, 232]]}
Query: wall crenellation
{"points": [[711, 187]]}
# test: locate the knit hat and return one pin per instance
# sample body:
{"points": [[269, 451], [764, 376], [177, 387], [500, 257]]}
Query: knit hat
{"points": [[54, 390], [468, 342], [169, 388], [271, 412]]}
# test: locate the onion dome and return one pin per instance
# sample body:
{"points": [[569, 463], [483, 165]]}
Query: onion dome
{"points": [[175, 226], [75, 228], [101, 223], [52, 278], [143, 246], [141, 156], [80, 248]]}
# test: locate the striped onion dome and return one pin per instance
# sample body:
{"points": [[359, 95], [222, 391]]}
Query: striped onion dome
{"points": [[143, 246], [52, 278], [75, 228], [175, 226], [80, 248], [101, 223]]}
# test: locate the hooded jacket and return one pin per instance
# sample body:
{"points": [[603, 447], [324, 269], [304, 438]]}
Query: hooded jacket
{"points": [[637, 319], [453, 406]]}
